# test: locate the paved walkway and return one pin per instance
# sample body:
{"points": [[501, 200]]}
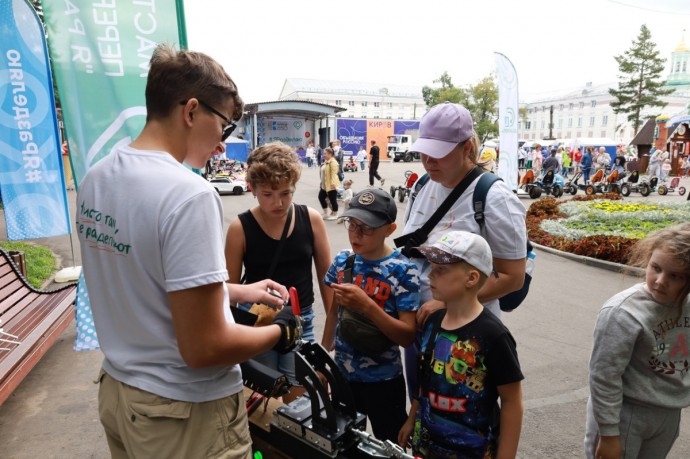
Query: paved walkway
{"points": [[53, 414]]}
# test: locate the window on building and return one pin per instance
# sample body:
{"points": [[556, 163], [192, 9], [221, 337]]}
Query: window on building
{"points": [[529, 110], [389, 117], [338, 102], [390, 104], [561, 107], [579, 121], [376, 116], [377, 104], [591, 134], [582, 105], [364, 103], [572, 106], [591, 122], [351, 103], [528, 125], [543, 108], [677, 66], [560, 122], [603, 133], [604, 120], [351, 115], [594, 103], [570, 122]]}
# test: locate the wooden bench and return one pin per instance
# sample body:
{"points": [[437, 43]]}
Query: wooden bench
{"points": [[36, 317]]}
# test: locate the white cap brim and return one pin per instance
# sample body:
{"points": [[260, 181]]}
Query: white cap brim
{"points": [[435, 148]]}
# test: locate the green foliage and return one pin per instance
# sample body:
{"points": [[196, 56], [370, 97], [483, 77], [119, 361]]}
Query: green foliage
{"points": [[640, 84], [40, 261], [480, 99]]}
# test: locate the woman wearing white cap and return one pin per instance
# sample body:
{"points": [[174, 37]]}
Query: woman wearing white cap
{"points": [[448, 149]]}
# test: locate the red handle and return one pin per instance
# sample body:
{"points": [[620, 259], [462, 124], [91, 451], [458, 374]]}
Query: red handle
{"points": [[294, 301]]}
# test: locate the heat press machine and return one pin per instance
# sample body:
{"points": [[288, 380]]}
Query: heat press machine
{"points": [[321, 424]]}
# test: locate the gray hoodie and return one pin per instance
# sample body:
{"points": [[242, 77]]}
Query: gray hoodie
{"points": [[641, 352]]}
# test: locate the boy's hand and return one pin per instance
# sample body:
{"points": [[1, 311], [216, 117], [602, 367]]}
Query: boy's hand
{"points": [[289, 330], [427, 309], [608, 448], [351, 297]]}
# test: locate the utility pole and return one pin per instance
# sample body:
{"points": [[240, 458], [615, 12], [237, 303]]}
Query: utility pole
{"points": [[551, 122]]}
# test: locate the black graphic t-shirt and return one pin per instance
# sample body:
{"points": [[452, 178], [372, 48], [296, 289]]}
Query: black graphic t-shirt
{"points": [[458, 413]]}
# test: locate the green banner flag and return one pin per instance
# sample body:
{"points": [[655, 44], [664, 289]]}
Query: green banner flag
{"points": [[100, 52]]}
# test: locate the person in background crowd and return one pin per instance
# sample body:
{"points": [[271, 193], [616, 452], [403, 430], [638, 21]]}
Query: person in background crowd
{"points": [[346, 198], [254, 237], [586, 164], [361, 157], [577, 159], [567, 161], [310, 154], [551, 163], [339, 156], [537, 159], [603, 159], [522, 155], [329, 185], [171, 385], [374, 164]]}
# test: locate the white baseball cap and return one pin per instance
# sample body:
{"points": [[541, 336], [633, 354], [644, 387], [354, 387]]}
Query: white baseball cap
{"points": [[458, 246]]}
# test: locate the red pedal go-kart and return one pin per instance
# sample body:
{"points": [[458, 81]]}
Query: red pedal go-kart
{"points": [[402, 191]]}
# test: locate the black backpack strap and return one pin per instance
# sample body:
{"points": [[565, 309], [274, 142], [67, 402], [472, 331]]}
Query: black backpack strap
{"points": [[427, 350], [349, 266], [418, 185], [420, 235], [486, 181]]}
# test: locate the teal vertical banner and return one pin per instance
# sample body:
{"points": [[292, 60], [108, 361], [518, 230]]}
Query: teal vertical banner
{"points": [[100, 52], [31, 175]]}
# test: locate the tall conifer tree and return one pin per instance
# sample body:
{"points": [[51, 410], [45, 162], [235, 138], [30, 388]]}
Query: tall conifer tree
{"points": [[639, 81]]}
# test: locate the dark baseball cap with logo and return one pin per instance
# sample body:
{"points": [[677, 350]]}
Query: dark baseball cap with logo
{"points": [[373, 207]]}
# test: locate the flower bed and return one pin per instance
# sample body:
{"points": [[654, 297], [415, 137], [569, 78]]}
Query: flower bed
{"points": [[600, 226]]}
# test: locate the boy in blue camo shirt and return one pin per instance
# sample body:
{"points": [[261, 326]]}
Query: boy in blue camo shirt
{"points": [[377, 282]]}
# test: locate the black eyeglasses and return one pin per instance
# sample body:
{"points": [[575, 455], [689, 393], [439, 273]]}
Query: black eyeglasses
{"points": [[227, 130], [358, 228]]}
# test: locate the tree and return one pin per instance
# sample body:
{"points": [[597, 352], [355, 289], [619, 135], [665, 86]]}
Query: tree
{"points": [[483, 104], [639, 82], [480, 99], [447, 92]]}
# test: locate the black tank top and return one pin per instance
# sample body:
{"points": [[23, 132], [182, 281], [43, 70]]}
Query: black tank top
{"points": [[294, 266]]}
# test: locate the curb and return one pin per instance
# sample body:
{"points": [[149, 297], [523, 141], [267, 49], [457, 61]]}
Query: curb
{"points": [[602, 264]]}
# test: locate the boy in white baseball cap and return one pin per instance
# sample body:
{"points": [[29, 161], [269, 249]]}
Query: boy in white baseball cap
{"points": [[467, 362]]}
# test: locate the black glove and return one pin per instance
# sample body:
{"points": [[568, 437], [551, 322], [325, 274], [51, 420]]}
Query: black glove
{"points": [[289, 330]]}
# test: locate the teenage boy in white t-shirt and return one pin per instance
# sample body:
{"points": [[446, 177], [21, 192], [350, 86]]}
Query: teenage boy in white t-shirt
{"points": [[151, 236]]}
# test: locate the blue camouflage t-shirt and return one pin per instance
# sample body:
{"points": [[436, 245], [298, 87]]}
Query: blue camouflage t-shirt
{"points": [[393, 283]]}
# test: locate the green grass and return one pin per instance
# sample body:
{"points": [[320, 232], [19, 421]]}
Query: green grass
{"points": [[40, 261]]}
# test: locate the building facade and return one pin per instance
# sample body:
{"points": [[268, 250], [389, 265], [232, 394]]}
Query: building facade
{"points": [[587, 111], [359, 99]]}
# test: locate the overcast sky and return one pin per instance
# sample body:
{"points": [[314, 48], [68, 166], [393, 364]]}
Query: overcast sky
{"points": [[554, 45]]}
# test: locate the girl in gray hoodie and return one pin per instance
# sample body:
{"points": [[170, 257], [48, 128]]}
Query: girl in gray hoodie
{"points": [[639, 378]]}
